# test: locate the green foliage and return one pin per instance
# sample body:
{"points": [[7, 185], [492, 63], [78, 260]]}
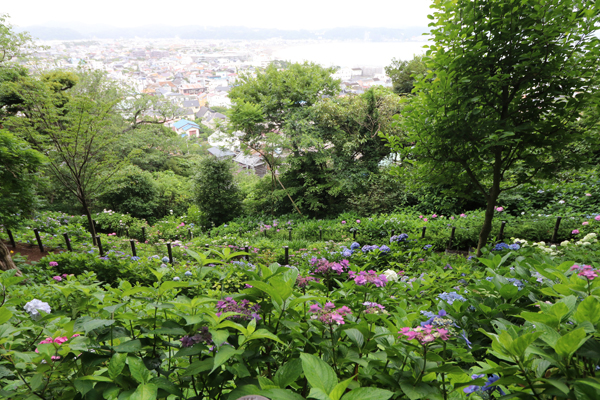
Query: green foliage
{"points": [[215, 191], [132, 191], [403, 73], [18, 166], [509, 87]]}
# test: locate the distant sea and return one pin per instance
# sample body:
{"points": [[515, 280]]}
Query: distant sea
{"points": [[351, 54]]}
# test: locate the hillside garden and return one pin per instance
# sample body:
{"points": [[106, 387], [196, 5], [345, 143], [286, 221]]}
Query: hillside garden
{"points": [[437, 242]]}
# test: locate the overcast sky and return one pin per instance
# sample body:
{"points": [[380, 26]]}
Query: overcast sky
{"points": [[281, 14]]}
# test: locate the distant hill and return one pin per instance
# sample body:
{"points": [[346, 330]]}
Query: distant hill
{"points": [[78, 32]]}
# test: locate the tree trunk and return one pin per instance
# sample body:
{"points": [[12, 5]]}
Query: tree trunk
{"points": [[6, 261], [86, 209], [491, 204]]}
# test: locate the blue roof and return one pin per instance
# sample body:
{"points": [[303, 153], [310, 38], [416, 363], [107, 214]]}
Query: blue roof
{"points": [[185, 124]]}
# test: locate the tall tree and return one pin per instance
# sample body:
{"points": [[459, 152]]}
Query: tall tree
{"points": [[273, 109], [404, 73], [215, 191], [76, 128], [18, 161], [512, 77]]}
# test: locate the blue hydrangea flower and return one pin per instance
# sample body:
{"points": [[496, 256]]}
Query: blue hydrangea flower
{"points": [[500, 246], [516, 282], [188, 273], [399, 238], [347, 253], [165, 259], [354, 246], [384, 249], [514, 246], [427, 247], [176, 278], [135, 258], [451, 297], [366, 248]]}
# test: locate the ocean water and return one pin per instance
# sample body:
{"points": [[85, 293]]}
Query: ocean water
{"points": [[351, 54]]}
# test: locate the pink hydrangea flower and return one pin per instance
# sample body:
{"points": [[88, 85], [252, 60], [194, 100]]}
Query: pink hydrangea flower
{"points": [[434, 216], [463, 215], [424, 334], [597, 217], [588, 194], [584, 223], [343, 222], [420, 216], [53, 264], [425, 219], [499, 209], [575, 231], [57, 278], [358, 221]]}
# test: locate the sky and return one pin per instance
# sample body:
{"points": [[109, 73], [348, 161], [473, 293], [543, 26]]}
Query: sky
{"points": [[278, 14]]}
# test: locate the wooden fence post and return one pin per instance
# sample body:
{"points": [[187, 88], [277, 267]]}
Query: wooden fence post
{"points": [[133, 251], [501, 234], [100, 246], [451, 237], [286, 258], [555, 233], [423, 233], [67, 241], [170, 251], [39, 239], [11, 238]]}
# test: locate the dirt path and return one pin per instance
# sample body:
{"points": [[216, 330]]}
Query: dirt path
{"points": [[30, 251]]}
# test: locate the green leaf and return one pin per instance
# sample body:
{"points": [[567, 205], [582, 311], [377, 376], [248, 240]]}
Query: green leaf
{"points": [[138, 370], [95, 378], [5, 315], [356, 337], [318, 373], [319, 394], [281, 394], [116, 365], [288, 373], [266, 383], [264, 334], [268, 289], [340, 389], [166, 385], [569, 343], [171, 285], [199, 366], [87, 324], [129, 347], [370, 393], [83, 386], [145, 391], [509, 291], [546, 319], [520, 344], [224, 354], [588, 310]]}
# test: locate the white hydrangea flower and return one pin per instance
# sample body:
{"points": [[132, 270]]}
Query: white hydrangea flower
{"points": [[565, 243], [35, 306], [391, 275]]}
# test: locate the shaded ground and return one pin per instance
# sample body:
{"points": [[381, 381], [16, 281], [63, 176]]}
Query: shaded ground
{"points": [[32, 252]]}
